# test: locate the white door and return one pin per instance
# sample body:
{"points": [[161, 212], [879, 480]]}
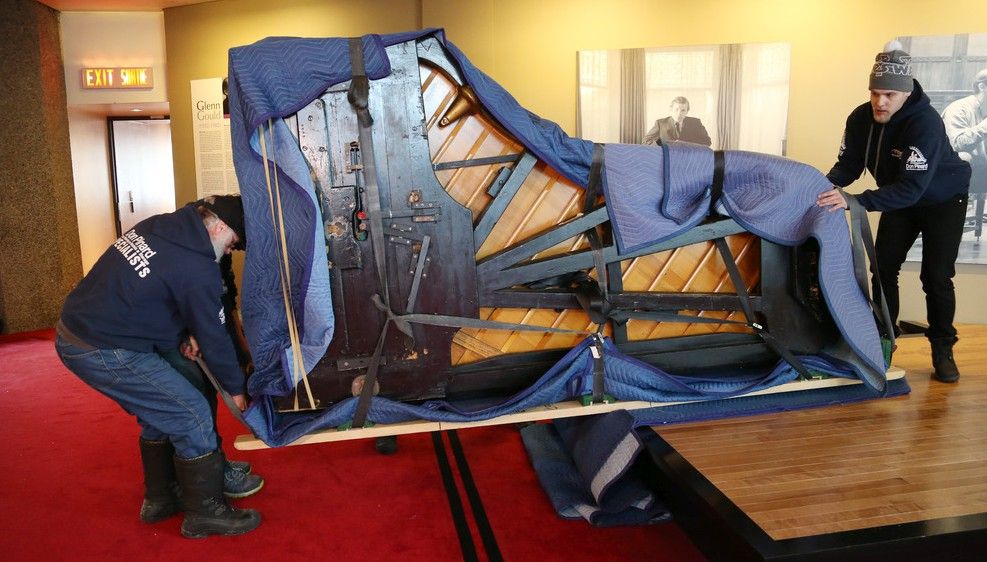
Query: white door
{"points": [[143, 174]]}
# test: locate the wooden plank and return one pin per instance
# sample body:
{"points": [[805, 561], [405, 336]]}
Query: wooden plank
{"points": [[547, 412]]}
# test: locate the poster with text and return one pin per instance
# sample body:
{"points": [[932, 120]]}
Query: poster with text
{"points": [[214, 173]]}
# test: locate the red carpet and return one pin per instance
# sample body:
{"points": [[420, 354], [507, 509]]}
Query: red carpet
{"points": [[71, 490]]}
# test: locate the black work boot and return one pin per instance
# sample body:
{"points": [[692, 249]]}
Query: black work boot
{"points": [[206, 510], [943, 365], [160, 487]]}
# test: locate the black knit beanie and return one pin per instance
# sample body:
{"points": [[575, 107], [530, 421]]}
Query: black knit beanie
{"points": [[892, 69], [229, 209]]}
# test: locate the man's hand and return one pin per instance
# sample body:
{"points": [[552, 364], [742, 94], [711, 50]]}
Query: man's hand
{"points": [[834, 199], [190, 348], [240, 400]]}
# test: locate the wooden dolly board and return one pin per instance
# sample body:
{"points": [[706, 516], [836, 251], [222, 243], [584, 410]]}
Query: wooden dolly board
{"points": [[547, 412]]}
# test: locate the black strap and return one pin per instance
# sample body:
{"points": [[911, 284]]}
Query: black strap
{"points": [[862, 241], [593, 190], [358, 96], [745, 304], [716, 190], [621, 316], [403, 322], [370, 380], [599, 369], [359, 92], [227, 399]]}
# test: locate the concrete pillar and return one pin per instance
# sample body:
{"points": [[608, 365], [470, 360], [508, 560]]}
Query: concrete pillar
{"points": [[40, 260]]}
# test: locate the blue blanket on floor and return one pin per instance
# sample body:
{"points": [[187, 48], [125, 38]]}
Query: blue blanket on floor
{"points": [[584, 465]]}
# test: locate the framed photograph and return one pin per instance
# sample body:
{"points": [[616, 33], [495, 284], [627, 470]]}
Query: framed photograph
{"points": [[731, 96], [948, 67]]}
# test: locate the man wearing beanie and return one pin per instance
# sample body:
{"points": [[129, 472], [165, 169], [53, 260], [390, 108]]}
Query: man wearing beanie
{"points": [[156, 283], [922, 188], [238, 479]]}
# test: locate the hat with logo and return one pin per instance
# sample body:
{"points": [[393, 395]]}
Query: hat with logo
{"points": [[892, 69], [229, 209]]}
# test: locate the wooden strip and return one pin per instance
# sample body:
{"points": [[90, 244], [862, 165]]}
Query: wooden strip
{"points": [[551, 411]]}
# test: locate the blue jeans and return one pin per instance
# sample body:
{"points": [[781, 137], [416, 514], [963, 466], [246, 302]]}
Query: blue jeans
{"points": [[167, 406]]}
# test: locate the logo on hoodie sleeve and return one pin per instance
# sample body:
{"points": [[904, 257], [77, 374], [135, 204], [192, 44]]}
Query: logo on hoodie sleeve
{"points": [[916, 161], [222, 316]]}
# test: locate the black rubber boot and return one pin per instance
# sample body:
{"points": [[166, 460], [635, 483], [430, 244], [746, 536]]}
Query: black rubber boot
{"points": [[206, 510], [943, 366], [160, 487]]}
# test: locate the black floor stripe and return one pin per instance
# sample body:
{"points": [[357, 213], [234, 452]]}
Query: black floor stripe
{"points": [[479, 513], [455, 502]]}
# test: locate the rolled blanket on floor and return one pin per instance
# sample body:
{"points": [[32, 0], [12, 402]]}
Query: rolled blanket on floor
{"points": [[585, 465]]}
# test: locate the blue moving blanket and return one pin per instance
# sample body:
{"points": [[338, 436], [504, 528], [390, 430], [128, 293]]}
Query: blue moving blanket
{"points": [[585, 466], [656, 193], [276, 77]]}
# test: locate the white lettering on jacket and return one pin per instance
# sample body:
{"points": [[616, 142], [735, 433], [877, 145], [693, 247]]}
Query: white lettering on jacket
{"points": [[916, 161], [136, 251]]}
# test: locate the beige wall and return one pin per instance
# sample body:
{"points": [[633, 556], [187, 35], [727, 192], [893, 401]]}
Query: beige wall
{"points": [[93, 189], [199, 37], [110, 39], [113, 39], [530, 48]]}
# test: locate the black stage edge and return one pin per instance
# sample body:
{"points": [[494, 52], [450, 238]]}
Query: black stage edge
{"points": [[725, 533]]}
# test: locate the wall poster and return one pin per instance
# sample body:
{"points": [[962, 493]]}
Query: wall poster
{"points": [[728, 97], [952, 70], [214, 172]]}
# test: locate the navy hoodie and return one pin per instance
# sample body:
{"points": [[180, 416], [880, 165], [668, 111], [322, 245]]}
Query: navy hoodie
{"points": [[909, 156], [156, 282]]}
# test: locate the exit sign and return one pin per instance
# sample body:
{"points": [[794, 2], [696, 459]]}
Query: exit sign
{"points": [[116, 78]]}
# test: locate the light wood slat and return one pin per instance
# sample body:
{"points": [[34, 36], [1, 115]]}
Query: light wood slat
{"points": [[544, 200], [566, 409], [883, 462]]}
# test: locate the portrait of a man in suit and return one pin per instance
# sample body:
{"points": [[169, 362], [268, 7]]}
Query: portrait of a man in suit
{"points": [[678, 126]]}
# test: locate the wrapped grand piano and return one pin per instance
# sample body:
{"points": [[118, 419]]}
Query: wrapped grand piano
{"points": [[422, 247]]}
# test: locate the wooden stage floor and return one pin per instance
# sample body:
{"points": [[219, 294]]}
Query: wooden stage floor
{"points": [[888, 479]]}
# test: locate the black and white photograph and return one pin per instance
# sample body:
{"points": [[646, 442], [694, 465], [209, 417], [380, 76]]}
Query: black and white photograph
{"points": [[728, 97], [953, 71]]}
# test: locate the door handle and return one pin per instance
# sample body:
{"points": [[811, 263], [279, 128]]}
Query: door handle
{"points": [[130, 194]]}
